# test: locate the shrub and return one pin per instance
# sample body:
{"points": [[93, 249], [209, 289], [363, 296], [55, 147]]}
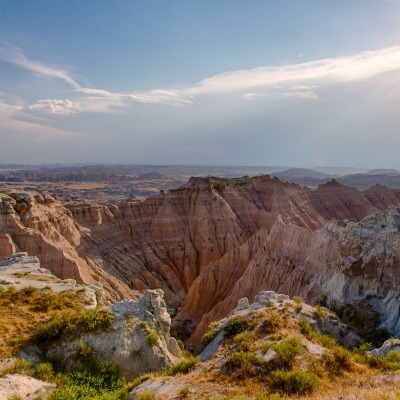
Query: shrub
{"points": [[377, 336], [293, 382], [306, 329], [59, 322], [244, 340], [390, 361], [183, 393], [84, 351], [238, 325], [271, 323], [45, 372], [339, 360], [287, 351], [211, 334], [92, 320], [78, 321], [299, 303], [152, 338], [183, 366]]}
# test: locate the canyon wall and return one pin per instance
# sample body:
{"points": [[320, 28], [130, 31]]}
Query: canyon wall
{"points": [[198, 242]]}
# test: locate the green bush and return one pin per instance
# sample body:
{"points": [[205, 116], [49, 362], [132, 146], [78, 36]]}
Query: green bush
{"points": [[244, 340], [340, 359], [45, 372], [213, 331], [73, 321], [391, 361], [293, 382], [183, 366], [152, 338], [238, 325], [287, 351], [271, 323]]}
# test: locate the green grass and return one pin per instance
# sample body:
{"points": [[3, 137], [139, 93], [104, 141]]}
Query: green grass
{"points": [[152, 338], [183, 366], [213, 331], [239, 324], [293, 382], [72, 323]]}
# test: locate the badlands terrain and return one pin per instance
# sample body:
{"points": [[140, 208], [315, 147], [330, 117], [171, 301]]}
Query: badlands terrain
{"points": [[198, 247]]}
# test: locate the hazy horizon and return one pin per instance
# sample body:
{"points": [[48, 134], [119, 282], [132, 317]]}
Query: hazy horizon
{"points": [[200, 83]]}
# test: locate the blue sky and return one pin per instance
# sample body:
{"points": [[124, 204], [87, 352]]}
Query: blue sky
{"points": [[302, 83]]}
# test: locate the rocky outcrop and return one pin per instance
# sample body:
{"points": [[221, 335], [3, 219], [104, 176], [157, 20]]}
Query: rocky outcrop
{"points": [[22, 387], [138, 340], [21, 270]]}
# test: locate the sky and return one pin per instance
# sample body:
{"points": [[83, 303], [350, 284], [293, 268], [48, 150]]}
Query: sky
{"points": [[225, 82]]}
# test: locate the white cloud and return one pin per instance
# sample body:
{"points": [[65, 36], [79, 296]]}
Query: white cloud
{"points": [[344, 69], [57, 107], [9, 123], [301, 78], [306, 95], [15, 55]]}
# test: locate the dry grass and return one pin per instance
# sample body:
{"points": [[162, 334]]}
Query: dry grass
{"points": [[22, 311], [340, 375]]}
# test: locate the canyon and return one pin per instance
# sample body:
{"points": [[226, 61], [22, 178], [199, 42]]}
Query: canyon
{"points": [[212, 241]]}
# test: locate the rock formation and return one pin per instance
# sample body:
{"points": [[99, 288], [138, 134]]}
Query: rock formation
{"points": [[137, 340], [345, 262], [126, 341], [200, 243]]}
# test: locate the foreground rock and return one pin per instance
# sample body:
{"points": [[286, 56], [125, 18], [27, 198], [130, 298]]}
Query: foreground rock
{"points": [[25, 387], [138, 339], [134, 335]]}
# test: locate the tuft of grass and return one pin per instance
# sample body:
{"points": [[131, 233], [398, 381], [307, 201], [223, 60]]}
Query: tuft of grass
{"points": [[389, 362], [340, 359], [152, 338], [299, 303], [146, 395], [140, 379], [45, 372], [287, 351], [271, 323], [183, 366], [183, 393], [244, 340], [73, 322], [20, 366], [293, 382], [239, 324], [213, 331]]}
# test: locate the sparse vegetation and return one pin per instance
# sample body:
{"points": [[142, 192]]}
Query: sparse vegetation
{"points": [[239, 324], [24, 310], [147, 395], [152, 338], [213, 331], [293, 382], [183, 366]]}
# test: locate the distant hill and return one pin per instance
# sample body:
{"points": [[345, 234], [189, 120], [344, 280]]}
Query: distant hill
{"points": [[382, 171], [301, 173]]}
